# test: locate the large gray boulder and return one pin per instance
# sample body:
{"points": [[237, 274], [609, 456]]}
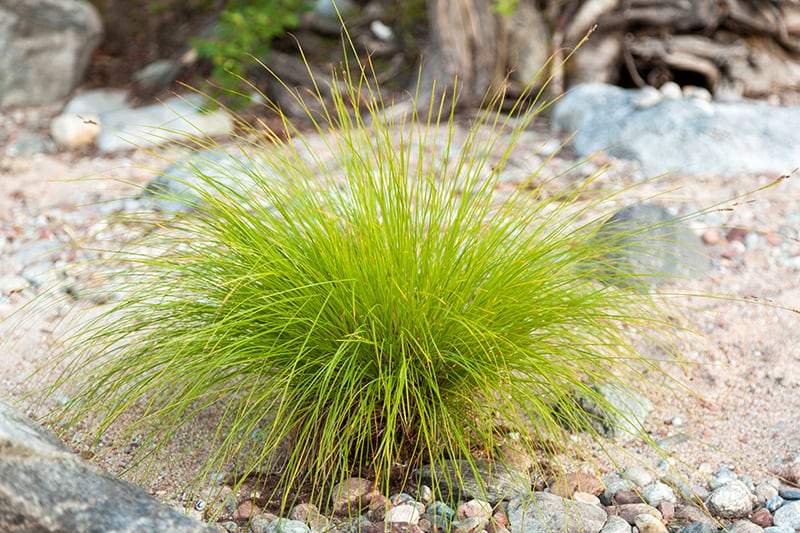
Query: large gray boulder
{"points": [[646, 241], [45, 46], [620, 415], [688, 135], [458, 480], [179, 118], [181, 186], [542, 512], [45, 487]]}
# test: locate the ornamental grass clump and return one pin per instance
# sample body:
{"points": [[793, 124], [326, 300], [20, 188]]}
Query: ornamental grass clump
{"points": [[359, 300]]}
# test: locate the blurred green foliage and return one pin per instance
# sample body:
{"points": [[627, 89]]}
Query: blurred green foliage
{"points": [[505, 7], [243, 35]]}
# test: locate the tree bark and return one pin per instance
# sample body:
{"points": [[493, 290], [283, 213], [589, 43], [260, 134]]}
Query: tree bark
{"points": [[467, 45]]}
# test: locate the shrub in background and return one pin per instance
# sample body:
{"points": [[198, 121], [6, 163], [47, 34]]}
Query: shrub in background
{"points": [[244, 32], [393, 311]]}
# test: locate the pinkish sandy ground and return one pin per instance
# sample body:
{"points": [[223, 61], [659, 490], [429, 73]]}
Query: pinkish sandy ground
{"points": [[740, 405]]}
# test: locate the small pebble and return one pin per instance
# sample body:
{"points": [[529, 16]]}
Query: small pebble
{"points": [[425, 494], [630, 511], [658, 492], [473, 524], [775, 503], [744, 526], [648, 97], [723, 476], [711, 237], [765, 492], [500, 517], [789, 493], [649, 524], [734, 249], [616, 524], [402, 514], [474, 508], [693, 92], [671, 91], [425, 525], [585, 497], [778, 529], [441, 509], [699, 527], [401, 498], [667, 510], [736, 234], [614, 484], [377, 507], [788, 515], [774, 239], [761, 517], [638, 476], [261, 524], [245, 510], [381, 30], [731, 500], [627, 496]]}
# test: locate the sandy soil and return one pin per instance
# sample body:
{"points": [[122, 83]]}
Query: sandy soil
{"points": [[740, 404]]}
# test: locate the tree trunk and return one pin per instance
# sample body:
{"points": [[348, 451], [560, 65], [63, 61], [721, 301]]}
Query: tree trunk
{"points": [[466, 45], [483, 50]]}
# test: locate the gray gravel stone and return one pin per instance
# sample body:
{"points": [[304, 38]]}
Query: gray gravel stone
{"points": [[789, 493], [649, 524], [615, 483], [402, 514], [723, 476], [349, 495], [745, 526], [732, 500], [541, 512], [28, 144], [788, 515], [45, 487], [765, 492], [441, 509], [658, 492], [775, 503], [615, 524], [637, 475], [283, 525], [469, 525]]}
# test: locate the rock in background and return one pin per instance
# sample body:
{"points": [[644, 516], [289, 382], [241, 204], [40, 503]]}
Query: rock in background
{"points": [[105, 118], [45, 46], [668, 132], [45, 487]]}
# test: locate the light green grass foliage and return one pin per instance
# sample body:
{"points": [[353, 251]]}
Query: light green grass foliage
{"points": [[394, 312], [243, 34]]}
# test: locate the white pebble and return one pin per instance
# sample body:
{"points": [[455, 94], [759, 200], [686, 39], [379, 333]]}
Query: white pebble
{"points": [[671, 91]]}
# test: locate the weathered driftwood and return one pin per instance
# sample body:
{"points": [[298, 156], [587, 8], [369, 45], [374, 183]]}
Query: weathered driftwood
{"points": [[750, 47], [739, 47]]}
